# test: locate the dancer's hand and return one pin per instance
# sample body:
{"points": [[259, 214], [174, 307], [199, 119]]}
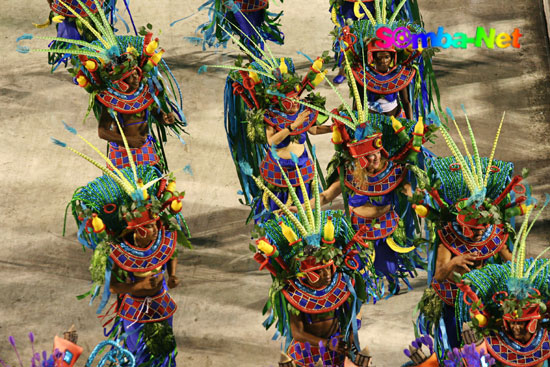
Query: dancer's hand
{"points": [[463, 262], [173, 281], [300, 120], [168, 118]]}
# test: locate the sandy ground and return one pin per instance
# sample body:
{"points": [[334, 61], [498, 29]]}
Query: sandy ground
{"points": [[222, 293]]}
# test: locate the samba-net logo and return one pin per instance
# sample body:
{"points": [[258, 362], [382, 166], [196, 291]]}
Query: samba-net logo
{"points": [[403, 38]]}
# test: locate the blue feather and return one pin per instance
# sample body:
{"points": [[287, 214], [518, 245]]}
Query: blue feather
{"points": [[294, 158], [275, 93], [113, 51], [432, 116], [58, 142], [26, 36], [70, 129], [188, 169], [203, 69], [463, 108], [245, 167], [313, 152], [23, 49], [314, 240], [274, 153], [450, 113], [305, 55]]}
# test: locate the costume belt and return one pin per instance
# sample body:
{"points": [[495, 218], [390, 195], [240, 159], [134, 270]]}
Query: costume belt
{"points": [[384, 226], [147, 309], [145, 156], [446, 290], [270, 171]]}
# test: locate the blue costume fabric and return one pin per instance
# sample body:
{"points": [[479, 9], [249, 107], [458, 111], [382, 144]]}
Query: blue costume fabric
{"points": [[379, 190]]}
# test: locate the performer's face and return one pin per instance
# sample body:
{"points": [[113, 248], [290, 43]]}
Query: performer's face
{"points": [[382, 61], [148, 233], [374, 161], [519, 331], [325, 276], [290, 107], [133, 81], [478, 234]]}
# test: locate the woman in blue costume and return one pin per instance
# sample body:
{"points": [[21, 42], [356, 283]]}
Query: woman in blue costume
{"points": [[469, 202], [250, 20], [319, 283], [507, 305], [376, 184], [131, 91], [267, 125], [131, 220]]}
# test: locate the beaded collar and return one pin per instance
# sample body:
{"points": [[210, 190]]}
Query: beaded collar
{"points": [[134, 259], [311, 300]]}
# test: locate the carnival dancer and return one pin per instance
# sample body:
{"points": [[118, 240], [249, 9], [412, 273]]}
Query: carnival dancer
{"points": [[318, 283], [387, 72], [507, 304], [131, 220], [125, 76], [468, 201], [250, 20], [369, 167], [267, 125]]}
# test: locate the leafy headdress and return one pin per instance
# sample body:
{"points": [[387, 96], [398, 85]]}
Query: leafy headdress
{"points": [[120, 201], [477, 190], [257, 89], [515, 291], [294, 246]]}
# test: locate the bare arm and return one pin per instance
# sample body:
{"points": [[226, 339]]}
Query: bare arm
{"points": [[330, 193], [404, 97], [276, 137], [320, 129], [505, 254], [173, 280], [446, 265], [406, 189]]}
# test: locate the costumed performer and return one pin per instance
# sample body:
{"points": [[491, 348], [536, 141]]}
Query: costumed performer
{"points": [[131, 220], [267, 125], [469, 202], [387, 72], [131, 88], [507, 305], [319, 283]]}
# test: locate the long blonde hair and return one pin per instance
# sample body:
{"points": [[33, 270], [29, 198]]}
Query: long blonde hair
{"points": [[360, 174]]}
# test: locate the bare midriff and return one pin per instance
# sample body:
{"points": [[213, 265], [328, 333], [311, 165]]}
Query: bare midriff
{"points": [[296, 148]]}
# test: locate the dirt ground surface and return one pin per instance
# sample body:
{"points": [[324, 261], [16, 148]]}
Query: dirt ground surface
{"points": [[218, 322]]}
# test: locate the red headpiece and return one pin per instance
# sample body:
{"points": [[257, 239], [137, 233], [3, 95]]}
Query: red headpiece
{"points": [[372, 48], [530, 312], [365, 147], [310, 265], [140, 219], [468, 225]]}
